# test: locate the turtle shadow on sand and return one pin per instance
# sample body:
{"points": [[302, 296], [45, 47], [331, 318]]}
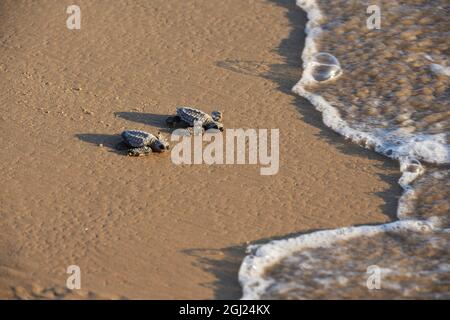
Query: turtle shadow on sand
{"points": [[151, 119], [113, 142]]}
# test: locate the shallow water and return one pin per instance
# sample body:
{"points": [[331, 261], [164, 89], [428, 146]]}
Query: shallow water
{"points": [[429, 198], [387, 80], [412, 265], [388, 90]]}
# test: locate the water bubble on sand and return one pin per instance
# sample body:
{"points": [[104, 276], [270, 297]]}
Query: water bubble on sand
{"points": [[325, 67], [423, 226]]}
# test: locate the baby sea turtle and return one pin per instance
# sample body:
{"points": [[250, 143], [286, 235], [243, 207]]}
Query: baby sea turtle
{"points": [[189, 116], [142, 143]]}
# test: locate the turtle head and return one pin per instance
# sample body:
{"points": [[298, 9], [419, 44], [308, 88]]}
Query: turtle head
{"points": [[216, 115], [214, 125], [161, 144]]}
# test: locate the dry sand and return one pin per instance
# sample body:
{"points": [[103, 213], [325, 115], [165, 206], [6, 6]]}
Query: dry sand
{"points": [[144, 227]]}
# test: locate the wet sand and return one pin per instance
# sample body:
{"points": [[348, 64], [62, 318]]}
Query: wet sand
{"points": [[146, 228]]}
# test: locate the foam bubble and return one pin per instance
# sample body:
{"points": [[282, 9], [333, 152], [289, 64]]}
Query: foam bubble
{"points": [[324, 67]]}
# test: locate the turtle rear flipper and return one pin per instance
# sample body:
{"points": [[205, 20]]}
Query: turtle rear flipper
{"points": [[138, 152], [172, 121], [122, 146]]}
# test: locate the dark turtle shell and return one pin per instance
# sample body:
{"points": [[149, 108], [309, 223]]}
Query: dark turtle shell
{"points": [[138, 138], [191, 115]]}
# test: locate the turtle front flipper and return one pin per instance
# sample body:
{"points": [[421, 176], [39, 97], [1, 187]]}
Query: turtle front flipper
{"points": [[217, 116], [138, 152]]}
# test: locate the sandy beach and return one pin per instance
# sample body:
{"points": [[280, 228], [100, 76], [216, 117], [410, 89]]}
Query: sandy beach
{"points": [[145, 227]]}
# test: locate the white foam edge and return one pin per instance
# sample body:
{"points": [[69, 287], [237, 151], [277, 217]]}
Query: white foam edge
{"points": [[251, 273]]}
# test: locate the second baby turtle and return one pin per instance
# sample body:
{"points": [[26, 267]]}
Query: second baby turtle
{"points": [[190, 116], [143, 143]]}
